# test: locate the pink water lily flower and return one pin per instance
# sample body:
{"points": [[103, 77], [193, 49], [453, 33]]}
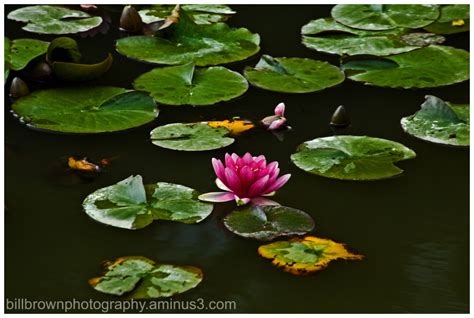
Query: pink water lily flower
{"points": [[277, 121], [246, 179]]}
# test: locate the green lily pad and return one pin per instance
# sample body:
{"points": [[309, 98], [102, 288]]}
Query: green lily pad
{"points": [[186, 85], [18, 53], [199, 13], [351, 157], [439, 122], [454, 18], [131, 205], [430, 66], [301, 256], [293, 74], [198, 136], [385, 16], [326, 35], [268, 222], [54, 20], [64, 56], [141, 278], [86, 109], [187, 41]]}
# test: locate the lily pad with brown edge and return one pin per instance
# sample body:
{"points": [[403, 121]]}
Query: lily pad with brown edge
{"points": [[65, 59], [199, 136], [439, 122], [454, 18], [329, 36], [85, 110], [351, 157], [138, 277], [129, 204], [186, 41], [293, 74], [199, 13], [187, 85], [385, 16], [19, 52], [268, 222], [431, 66], [46, 19], [302, 256]]}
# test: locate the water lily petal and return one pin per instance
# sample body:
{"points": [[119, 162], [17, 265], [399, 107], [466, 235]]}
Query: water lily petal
{"points": [[280, 109], [246, 177], [221, 185], [241, 201], [278, 183], [263, 201], [219, 168], [233, 181], [269, 194], [229, 162], [277, 124], [258, 186], [216, 197], [247, 158]]}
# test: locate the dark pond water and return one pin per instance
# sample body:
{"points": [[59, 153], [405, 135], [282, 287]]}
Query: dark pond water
{"points": [[413, 229]]}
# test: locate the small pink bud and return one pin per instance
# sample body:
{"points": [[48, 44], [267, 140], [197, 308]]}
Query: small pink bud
{"points": [[280, 110]]}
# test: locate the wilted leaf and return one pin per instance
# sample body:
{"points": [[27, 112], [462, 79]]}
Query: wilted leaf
{"points": [[293, 74], [454, 18], [54, 19], [131, 205], [268, 222], [187, 41], [351, 157], [385, 16], [82, 165], [430, 66], [198, 136], [141, 278], [439, 122], [86, 109], [300, 256], [235, 126], [185, 84]]}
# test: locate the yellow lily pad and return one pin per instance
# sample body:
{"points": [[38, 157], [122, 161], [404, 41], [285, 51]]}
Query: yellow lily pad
{"points": [[235, 126], [301, 256]]}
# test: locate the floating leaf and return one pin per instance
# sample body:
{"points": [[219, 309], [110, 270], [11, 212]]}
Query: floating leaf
{"points": [[198, 136], [351, 157], [293, 75], [130, 205], [187, 41], [64, 56], [454, 18], [300, 256], [86, 109], [326, 35], [199, 13], [439, 122], [235, 126], [385, 16], [18, 53], [187, 85], [54, 20], [427, 67], [268, 222], [142, 278]]}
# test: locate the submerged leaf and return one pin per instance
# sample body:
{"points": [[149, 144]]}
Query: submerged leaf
{"points": [[439, 122], [300, 256], [268, 222], [142, 278], [385, 16], [185, 84], [430, 66], [293, 75], [131, 205], [351, 157], [86, 109], [187, 42], [198, 136], [454, 18], [54, 20]]}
